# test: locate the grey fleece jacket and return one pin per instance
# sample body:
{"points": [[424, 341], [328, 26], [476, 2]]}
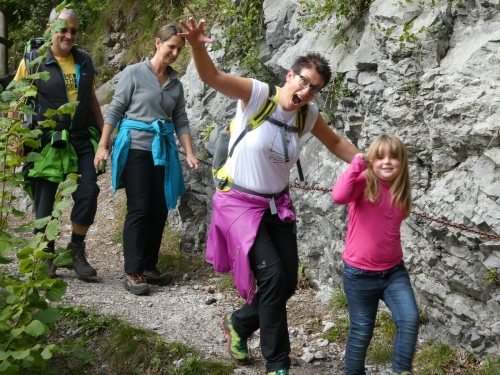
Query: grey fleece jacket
{"points": [[139, 96]]}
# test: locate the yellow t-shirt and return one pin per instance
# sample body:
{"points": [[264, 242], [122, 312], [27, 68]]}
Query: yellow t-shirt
{"points": [[67, 65]]}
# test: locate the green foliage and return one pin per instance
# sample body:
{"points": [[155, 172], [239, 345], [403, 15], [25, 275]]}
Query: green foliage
{"points": [[241, 30], [337, 89], [124, 349], [382, 344], [338, 299], [207, 131], [26, 313], [314, 324], [339, 332], [491, 276], [28, 19], [303, 280], [407, 36], [315, 11], [491, 366], [435, 359], [226, 282]]}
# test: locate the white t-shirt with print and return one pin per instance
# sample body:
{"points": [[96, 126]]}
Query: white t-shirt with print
{"points": [[258, 161]]}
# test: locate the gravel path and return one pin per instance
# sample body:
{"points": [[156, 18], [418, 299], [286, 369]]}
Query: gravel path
{"points": [[189, 310]]}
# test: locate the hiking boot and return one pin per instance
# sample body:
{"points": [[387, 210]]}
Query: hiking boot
{"points": [[155, 277], [236, 347], [50, 263], [136, 284], [80, 264], [279, 372]]}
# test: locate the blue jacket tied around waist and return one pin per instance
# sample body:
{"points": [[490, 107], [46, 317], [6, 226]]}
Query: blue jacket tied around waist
{"points": [[164, 153]]}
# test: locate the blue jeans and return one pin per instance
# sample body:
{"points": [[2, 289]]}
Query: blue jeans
{"points": [[364, 289]]}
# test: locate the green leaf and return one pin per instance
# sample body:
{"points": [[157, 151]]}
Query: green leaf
{"points": [[63, 204], [44, 76], [4, 260], [67, 187], [51, 112], [17, 213], [56, 213], [23, 108], [40, 223], [7, 368], [9, 96], [48, 316], [52, 230], [41, 272], [35, 328], [20, 354], [32, 156], [26, 265], [35, 63], [68, 108], [47, 352], [24, 253], [40, 254], [5, 246], [16, 332], [57, 291], [63, 260], [3, 355], [49, 124]]}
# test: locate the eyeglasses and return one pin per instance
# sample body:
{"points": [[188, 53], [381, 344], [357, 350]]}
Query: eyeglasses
{"points": [[305, 84], [65, 30]]}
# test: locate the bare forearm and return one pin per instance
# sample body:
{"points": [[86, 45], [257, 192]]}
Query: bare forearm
{"points": [[343, 149], [188, 146], [107, 129], [186, 143]]}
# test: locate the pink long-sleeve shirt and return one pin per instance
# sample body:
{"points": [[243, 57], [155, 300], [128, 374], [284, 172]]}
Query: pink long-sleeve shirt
{"points": [[373, 239]]}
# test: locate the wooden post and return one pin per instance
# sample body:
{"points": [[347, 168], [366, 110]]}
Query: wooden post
{"points": [[4, 43]]}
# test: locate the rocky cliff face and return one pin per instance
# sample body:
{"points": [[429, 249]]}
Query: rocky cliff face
{"points": [[436, 86]]}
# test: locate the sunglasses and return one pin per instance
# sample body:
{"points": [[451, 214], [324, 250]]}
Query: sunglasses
{"points": [[65, 30]]}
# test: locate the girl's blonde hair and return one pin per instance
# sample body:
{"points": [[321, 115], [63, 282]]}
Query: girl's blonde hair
{"points": [[400, 190]]}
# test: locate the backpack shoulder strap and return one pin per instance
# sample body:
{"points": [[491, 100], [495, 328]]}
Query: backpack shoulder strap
{"points": [[267, 108], [258, 118], [28, 58]]}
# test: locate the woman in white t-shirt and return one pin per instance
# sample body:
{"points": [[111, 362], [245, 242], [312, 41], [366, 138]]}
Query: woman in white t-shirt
{"points": [[252, 232]]}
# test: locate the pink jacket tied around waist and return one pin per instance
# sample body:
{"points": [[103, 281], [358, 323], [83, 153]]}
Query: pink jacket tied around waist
{"points": [[235, 219]]}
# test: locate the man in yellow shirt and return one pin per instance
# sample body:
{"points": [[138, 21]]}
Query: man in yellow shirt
{"points": [[72, 78]]}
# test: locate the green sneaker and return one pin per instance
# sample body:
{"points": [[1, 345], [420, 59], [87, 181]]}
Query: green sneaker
{"points": [[237, 348], [279, 372]]}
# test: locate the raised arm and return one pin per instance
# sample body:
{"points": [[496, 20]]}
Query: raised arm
{"points": [[349, 187], [232, 86], [339, 146]]}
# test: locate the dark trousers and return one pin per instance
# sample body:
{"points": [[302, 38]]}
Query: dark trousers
{"points": [[274, 263], [85, 196], [146, 211]]}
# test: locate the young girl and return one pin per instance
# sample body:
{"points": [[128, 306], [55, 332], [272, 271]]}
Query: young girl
{"points": [[377, 188]]}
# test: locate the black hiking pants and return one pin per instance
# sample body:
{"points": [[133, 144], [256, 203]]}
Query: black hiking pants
{"points": [[274, 263], [146, 211]]}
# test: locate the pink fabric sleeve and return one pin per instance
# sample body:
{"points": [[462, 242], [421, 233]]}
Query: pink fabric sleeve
{"points": [[348, 187]]}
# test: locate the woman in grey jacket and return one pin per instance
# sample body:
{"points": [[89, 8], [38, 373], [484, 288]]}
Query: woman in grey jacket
{"points": [[149, 106]]}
